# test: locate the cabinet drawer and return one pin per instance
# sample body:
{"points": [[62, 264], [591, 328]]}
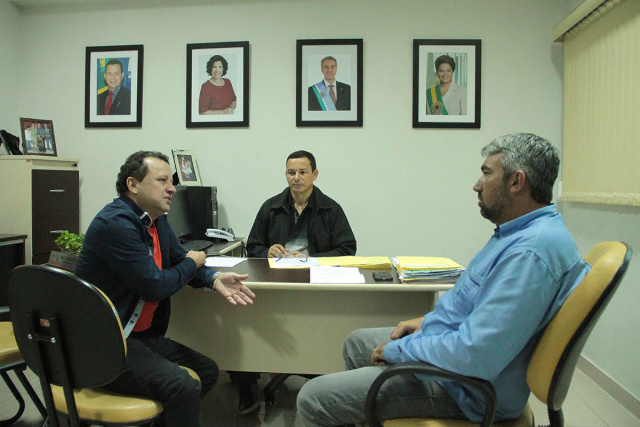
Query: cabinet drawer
{"points": [[55, 190], [44, 222]]}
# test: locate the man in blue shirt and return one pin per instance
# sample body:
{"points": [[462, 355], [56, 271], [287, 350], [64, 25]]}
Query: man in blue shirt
{"points": [[488, 325]]}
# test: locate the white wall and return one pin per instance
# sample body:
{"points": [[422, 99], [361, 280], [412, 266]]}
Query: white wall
{"points": [[614, 344], [405, 191], [9, 63]]}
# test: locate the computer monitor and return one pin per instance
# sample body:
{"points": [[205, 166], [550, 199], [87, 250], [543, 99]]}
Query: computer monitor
{"points": [[178, 215]]}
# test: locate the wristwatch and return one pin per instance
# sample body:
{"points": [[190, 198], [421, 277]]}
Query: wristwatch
{"points": [[216, 276]]}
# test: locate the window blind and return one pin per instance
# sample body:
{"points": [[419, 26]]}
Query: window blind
{"points": [[601, 135]]}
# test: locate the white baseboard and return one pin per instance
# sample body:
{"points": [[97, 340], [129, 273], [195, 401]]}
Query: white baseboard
{"points": [[615, 390]]}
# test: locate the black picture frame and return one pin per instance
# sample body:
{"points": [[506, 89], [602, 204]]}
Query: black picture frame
{"points": [[236, 56], [314, 105], [464, 94], [126, 108], [40, 131]]}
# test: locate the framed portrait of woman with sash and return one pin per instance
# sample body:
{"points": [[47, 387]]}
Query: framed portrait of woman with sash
{"points": [[329, 82], [446, 83]]}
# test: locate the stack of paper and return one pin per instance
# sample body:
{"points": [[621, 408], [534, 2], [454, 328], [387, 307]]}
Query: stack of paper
{"points": [[333, 275], [356, 261], [427, 269]]}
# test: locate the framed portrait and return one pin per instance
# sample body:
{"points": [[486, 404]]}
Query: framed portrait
{"points": [[446, 83], [186, 167], [218, 84], [113, 86], [38, 137], [329, 82]]}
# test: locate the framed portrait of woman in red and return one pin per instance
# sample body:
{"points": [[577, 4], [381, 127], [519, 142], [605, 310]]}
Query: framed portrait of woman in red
{"points": [[218, 84], [446, 83]]}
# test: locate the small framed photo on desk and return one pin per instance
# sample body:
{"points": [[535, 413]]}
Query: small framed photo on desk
{"points": [[186, 168], [38, 137]]}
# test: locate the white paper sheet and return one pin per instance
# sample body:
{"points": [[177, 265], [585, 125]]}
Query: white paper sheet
{"points": [[223, 261], [335, 275]]}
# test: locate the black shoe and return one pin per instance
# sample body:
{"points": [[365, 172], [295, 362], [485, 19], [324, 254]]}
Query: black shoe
{"points": [[248, 398]]}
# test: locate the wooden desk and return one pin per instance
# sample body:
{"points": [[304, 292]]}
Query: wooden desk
{"points": [[294, 326]]}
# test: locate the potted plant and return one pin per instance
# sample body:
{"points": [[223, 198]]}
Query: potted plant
{"points": [[70, 245]]}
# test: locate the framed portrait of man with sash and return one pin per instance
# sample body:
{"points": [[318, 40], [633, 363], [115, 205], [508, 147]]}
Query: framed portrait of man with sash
{"points": [[329, 83], [446, 83]]}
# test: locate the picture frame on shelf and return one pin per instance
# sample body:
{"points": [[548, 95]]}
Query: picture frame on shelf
{"points": [[218, 84], [113, 86], [446, 83], [319, 63], [186, 168], [38, 137]]}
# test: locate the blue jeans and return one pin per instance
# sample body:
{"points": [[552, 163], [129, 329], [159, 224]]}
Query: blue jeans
{"points": [[338, 399], [152, 370]]}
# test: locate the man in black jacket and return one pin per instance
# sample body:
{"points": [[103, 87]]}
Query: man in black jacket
{"points": [[300, 221]]}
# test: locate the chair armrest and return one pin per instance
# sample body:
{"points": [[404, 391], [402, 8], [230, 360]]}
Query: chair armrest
{"points": [[481, 386], [4, 310]]}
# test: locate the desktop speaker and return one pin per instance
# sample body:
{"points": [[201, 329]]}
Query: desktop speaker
{"points": [[203, 209]]}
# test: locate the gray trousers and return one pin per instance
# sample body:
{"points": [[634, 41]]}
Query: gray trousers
{"points": [[338, 399]]}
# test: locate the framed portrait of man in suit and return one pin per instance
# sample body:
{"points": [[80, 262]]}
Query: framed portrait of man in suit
{"points": [[329, 82], [113, 86]]}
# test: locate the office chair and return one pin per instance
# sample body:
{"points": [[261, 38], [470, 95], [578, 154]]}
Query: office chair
{"points": [[70, 335], [11, 360], [553, 362]]}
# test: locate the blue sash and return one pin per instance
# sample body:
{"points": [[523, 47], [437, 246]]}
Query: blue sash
{"points": [[322, 94]]}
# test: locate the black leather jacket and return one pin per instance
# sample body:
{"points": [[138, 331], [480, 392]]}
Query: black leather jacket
{"points": [[329, 230]]}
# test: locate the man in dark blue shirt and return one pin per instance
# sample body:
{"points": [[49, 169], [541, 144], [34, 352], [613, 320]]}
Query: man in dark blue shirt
{"points": [[133, 256]]}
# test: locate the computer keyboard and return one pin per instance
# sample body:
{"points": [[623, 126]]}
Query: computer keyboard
{"points": [[196, 245]]}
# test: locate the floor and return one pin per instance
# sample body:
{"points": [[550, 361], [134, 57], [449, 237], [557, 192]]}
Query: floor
{"points": [[586, 405]]}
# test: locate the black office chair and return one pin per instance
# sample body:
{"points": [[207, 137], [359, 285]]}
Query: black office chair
{"points": [[70, 335], [11, 360], [553, 362]]}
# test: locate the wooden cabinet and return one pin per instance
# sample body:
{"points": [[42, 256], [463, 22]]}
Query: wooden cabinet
{"points": [[40, 198]]}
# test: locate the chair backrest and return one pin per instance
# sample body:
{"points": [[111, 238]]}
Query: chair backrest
{"points": [[554, 360], [85, 326]]}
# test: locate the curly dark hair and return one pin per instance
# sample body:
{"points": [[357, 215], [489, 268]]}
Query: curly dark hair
{"points": [[214, 58], [135, 167], [445, 59]]}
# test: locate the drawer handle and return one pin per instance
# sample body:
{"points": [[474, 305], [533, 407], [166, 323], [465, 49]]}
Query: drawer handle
{"points": [[57, 191], [56, 231]]}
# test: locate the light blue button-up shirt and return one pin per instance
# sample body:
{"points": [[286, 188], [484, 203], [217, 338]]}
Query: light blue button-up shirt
{"points": [[487, 326]]}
